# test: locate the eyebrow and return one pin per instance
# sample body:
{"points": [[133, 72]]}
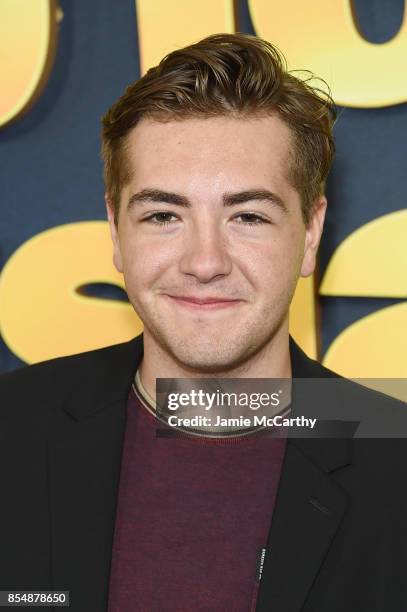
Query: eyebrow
{"points": [[229, 199]]}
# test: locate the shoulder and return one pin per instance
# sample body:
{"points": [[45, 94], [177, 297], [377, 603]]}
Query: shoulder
{"points": [[44, 374], [361, 394], [374, 460], [378, 415], [39, 385]]}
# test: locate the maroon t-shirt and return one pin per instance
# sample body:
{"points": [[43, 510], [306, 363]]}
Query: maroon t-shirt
{"points": [[192, 519]]}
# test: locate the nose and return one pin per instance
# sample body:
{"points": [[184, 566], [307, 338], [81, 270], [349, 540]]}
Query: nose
{"points": [[205, 254]]}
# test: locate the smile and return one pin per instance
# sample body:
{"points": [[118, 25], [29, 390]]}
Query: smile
{"points": [[202, 305]]}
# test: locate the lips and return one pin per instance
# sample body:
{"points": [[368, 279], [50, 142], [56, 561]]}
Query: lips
{"points": [[196, 300], [208, 303]]}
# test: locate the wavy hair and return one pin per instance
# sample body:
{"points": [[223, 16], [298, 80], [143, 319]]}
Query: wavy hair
{"points": [[227, 74]]}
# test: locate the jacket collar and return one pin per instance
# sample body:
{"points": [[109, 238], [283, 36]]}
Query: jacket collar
{"points": [[104, 377]]}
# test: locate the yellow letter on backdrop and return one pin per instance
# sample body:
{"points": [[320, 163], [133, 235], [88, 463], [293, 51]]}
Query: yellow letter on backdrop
{"points": [[321, 36], [165, 25], [371, 262], [27, 48], [41, 313]]}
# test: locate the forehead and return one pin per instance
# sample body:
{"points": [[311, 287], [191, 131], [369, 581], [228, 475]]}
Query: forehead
{"points": [[216, 149]]}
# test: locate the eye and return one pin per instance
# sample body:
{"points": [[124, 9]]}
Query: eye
{"points": [[163, 219], [249, 219], [159, 215]]}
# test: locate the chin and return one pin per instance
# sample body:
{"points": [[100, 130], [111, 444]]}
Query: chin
{"points": [[205, 366], [208, 359]]}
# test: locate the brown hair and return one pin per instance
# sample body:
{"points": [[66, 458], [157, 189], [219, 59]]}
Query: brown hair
{"points": [[227, 74]]}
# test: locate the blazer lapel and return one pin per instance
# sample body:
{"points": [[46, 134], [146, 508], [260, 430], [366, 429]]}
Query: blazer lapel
{"points": [[84, 457], [309, 509], [84, 467], [308, 512]]}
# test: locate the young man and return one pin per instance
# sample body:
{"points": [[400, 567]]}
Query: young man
{"points": [[215, 163]]}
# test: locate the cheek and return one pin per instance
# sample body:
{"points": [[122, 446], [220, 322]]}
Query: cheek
{"points": [[292, 250], [276, 263], [143, 264], [274, 279]]}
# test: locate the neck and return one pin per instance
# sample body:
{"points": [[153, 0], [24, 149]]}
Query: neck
{"points": [[271, 361]]}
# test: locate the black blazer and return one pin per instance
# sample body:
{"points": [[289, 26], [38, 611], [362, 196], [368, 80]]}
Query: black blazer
{"points": [[338, 537]]}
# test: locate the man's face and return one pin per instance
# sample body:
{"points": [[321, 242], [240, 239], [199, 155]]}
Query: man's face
{"points": [[233, 231]]}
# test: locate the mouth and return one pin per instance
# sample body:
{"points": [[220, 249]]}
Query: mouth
{"points": [[204, 303]]}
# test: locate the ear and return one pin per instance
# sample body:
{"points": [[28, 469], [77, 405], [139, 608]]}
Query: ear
{"points": [[313, 236], [117, 255]]}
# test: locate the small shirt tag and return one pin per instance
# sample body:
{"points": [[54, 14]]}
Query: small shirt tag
{"points": [[260, 562]]}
